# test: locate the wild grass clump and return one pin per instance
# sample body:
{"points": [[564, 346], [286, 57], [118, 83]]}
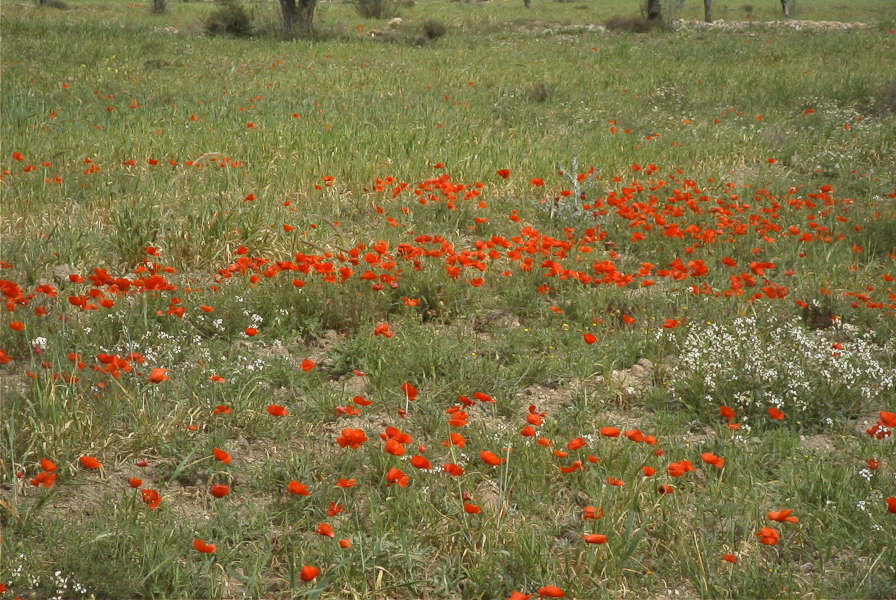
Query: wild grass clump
{"points": [[230, 17]]}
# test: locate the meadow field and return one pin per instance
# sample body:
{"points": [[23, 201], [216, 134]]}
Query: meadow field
{"points": [[492, 303]]}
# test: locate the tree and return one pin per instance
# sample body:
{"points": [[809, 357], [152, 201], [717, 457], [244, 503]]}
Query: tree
{"points": [[297, 14], [654, 11], [158, 7], [707, 11]]}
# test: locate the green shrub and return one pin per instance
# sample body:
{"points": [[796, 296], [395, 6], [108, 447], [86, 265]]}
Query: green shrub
{"points": [[230, 18], [376, 9], [433, 29]]}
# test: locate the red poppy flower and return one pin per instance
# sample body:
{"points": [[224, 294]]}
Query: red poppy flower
{"points": [[277, 410], [158, 375], [729, 558], [361, 401], [151, 498], [483, 397], [382, 329], [308, 573], [453, 470], [782, 516], [589, 338], [711, 459], [326, 530], [396, 476], [677, 469], [670, 324], [768, 536], [515, 595], [47, 465], [345, 543], [471, 509], [44, 478], [353, 438], [609, 432], [134, 482], [665, 489], [775, 414], [595, 538], [250, 331], [420, 462], [201, 546], [589, 512], [17, 326], [534, 419], [221, 409], [334, 509], [615, 482], [504, 173], [551, 591], [409, 390], [219, 490], [393, 433], [345, 483], [648, 471], [576, 443], [490, 458], [536, 181], [457, 439], [635, 435], [221, 456], [575, 466], [888, 419], [89, 462], [296, 488], [394, 448], [891, 504]]}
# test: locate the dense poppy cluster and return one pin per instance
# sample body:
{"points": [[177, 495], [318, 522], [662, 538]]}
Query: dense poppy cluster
{"points": [[675, 208]]}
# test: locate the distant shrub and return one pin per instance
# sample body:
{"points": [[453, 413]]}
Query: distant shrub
{"points": [[539, 92], [886, 99], [229, 18], [433, 29], [376, 9]]}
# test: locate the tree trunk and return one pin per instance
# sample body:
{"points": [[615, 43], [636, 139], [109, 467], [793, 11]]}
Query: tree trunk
{"points": [[654, 11], [528, 3], [785, 6], [707, 11], [298, 16], [159, 7]]}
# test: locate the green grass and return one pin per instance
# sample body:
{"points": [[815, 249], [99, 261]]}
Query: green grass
{"points": [[163, 191]]}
